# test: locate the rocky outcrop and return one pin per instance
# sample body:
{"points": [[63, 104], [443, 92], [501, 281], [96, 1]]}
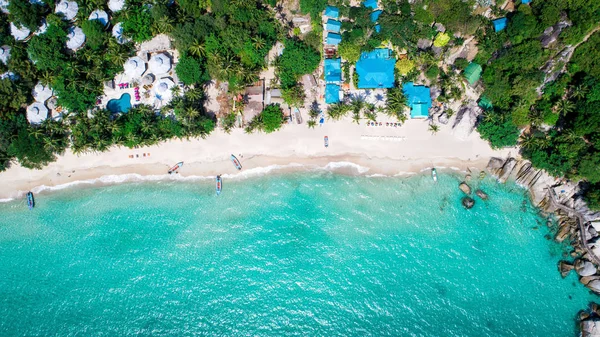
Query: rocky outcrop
{"points": [[585, 268], [465, 188], [565, 268], [590, 327], [468, 202], [466, 118], [482, 194]]}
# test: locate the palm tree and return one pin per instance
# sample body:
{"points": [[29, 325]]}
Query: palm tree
{"points": [[197, 49], [163, 25], [579, 91], [434, 128], [337, 111], [564, 106], [258, 42], [312, 123]]}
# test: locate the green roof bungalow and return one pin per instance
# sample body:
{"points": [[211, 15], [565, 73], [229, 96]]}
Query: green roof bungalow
{"points": [[473, 73], [333, 26], [485, 103], [375, 69], [418, 98]]}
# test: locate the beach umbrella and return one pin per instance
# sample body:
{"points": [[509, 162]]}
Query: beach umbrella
{"points": [[36, 113], [68, 9], [41, 92], [164, 85], [134, 67], [100, 15], [116, 5], [148, 79], [75, 38], [19, 33], [117, 32], [52, 103], [4, 54], [160, 64]]}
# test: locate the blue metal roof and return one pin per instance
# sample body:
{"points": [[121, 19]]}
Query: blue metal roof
{"points": [[334, 38], [375, 15], [333, 70], [370, 4], [499, 24], [333, 25], [525, 1], [332, 93], [375, 69], [332, 12], [418, 97], [377, 28]]}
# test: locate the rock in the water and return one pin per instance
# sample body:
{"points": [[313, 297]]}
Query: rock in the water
{"points": [[481, 194], [585, 268], [590, 328], [594, 286], [468, 202], [565, 268], [465, 188]]}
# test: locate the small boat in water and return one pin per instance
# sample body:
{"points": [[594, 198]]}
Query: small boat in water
{"points": [[326, 140], [219, 184], [434, 174], [30, 201], [176, 167], [236, 162]]}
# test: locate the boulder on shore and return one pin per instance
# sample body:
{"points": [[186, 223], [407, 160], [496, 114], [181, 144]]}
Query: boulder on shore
{"points": [[590, 328], [565, 268], [468, 202], [465, 188], [585, 268], [594, 286], [482, 194]]}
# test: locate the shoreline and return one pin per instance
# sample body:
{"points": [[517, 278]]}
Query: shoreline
{"points": [[370, 150]]}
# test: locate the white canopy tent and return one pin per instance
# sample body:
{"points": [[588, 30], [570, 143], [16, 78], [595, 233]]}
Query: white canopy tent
{"points": [[101, 16], [116, 5], [19, 33], [117, 32], [41, 92], [134, 67], [75, 38], [37, 113], [159, 64], [68, 9], [4, 54]]}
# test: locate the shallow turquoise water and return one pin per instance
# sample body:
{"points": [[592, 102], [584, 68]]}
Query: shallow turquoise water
{"points": [[123, 104], [311, 254]]}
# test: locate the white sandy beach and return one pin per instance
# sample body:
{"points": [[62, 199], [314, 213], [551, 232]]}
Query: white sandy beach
{"points": [[373, 150]]}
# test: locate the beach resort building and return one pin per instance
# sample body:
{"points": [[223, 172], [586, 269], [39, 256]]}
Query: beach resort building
{"points": [[370, 4], [333, 79], [68, 9], [101, 16], [332, 12], [19, 33], [117, 33], [473, 73], [375, 69], [500, 24], [333, 26], [75, 38], [418, 98]]}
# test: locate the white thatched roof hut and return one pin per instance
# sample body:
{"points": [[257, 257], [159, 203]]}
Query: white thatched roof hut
{"points": [[37, 113], [41, 92], [116, 5], [134, 67], [117, 32], [159, 64], [75, 38], [101, 16], [4, 54], [19, 34], [148, 79], [68, 9]]}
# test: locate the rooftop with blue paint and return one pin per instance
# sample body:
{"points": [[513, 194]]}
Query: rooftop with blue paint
{"points": [[370, 4], [334, 38], [333, 70], [500, 24], [378, 28], [333, 25], [525, 1], [418, 97], [375, 69], [332, 12], [375, 15], [332, 93]]}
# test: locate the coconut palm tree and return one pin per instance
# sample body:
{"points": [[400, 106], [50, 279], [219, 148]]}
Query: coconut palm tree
{"points": [[337, 111], [579, 91], [434, 128], [312, 123], [564, 106], [197, 49]]}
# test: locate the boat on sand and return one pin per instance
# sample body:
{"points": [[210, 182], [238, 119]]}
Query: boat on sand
{"points": [[236, 162], [434, 174], [30, 201], [176, 167], [219, 184]]}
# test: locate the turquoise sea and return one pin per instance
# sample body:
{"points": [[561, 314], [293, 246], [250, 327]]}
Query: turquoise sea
{"points": [[297, 254]]}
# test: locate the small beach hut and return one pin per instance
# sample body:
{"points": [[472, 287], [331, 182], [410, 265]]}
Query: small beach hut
{"points": [[75, 38], [19, 34], [10, 75], [68, 9], [37, 113], [333, 70], [375, 69], [333, 26], [162, 88], [375, 15], [43, 28], [134, 67], [4, 54], [378, 28], [500, 24], [525, 1], [116, 5], [41, 92], [148, 79], [4, 6], [485, 103], [473, 73], [117, 32], [418, 98], [332, 12], [159, 64], [334, 38], [99, 15], [370, 4], [332, 93]]}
